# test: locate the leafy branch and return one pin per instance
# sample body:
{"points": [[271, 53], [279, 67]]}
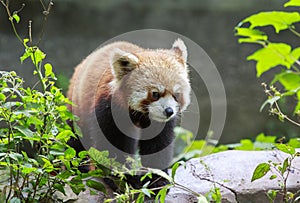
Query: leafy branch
{"points": [[273, 55]]}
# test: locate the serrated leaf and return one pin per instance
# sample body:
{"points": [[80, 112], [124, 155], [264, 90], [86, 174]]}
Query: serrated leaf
{"points": [[260, 171], [250, 35], [270, 56], [292, 3], [280, 20]]}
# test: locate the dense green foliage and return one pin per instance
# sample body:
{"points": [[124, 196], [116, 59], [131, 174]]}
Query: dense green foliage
{"points": [[35, 160], [275, 54], [285, 56]]}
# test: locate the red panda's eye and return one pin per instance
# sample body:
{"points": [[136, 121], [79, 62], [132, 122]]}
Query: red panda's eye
{"points": [[155, 95]]}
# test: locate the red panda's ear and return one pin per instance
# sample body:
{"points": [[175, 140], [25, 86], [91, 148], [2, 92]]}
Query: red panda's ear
{"points": [[122, 63], [180, 50]]}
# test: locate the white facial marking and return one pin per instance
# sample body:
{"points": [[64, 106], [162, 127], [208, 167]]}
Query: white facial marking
{"points": [[136, 98], [176, 88], [157, 108]]}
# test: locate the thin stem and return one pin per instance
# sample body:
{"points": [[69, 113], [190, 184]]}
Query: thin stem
{"points": [[38, 69], [294, 31], [46, 13], [11, 19], [186, 189], [285, 117]]}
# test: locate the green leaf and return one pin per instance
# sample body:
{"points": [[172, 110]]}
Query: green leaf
{"points": [[272, 177], [25, 131], [161, 195], [96, 185], [25, 55], [245, 144], [102, 159], [285, 165], [175, 167], [37, 56], [290, 80], [77, 185], [295, 54], [70, 153], [16, 17], [60, 188], [64, 175], [64, 135], [27, 169], [280, 20], [272, 195], [25, 41], [292, 3], [16, 156], [250, 35], [270, 56], [260, 171], [2, 97], [294, 142], [265, 138], [286, 148], [140, 198], [48, 69]]}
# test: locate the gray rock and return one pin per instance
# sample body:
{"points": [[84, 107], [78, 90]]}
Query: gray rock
{"points": [[231, 171]]}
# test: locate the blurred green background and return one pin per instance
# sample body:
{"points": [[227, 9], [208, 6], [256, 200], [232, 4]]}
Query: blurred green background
{"points": [[75, 28]]}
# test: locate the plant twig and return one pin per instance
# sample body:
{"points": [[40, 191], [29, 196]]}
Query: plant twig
{"points": [[11, 19], [294, 31]]}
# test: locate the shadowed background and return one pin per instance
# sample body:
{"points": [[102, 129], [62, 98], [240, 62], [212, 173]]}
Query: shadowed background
{"points": [[75, 28]]}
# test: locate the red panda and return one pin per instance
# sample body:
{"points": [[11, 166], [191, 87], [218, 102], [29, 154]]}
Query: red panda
{"points": [[121, 89]]}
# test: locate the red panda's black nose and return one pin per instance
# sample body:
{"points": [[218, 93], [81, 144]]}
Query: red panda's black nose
{"points": [[168, 112]]}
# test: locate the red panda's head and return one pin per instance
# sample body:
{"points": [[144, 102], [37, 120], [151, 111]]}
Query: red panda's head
{"points": [[153, 81]]}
